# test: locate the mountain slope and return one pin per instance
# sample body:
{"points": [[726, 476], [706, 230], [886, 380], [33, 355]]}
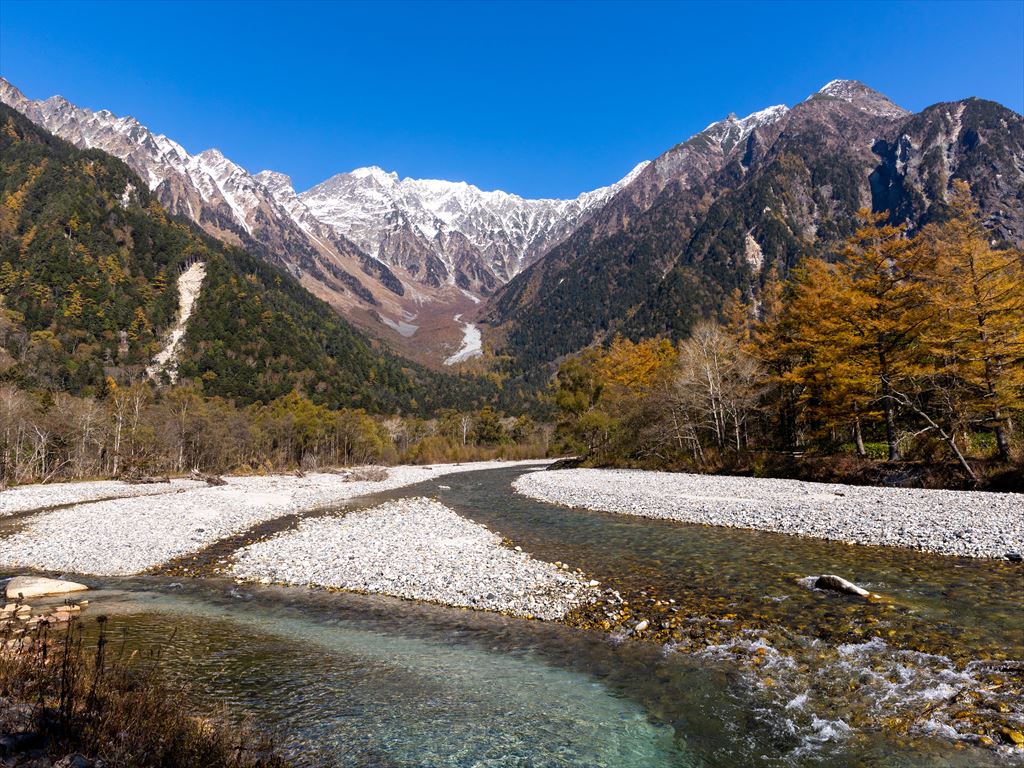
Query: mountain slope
{"points": [[745, 199], [89, 263], [399, 258], [450, 230], [220, 196]]}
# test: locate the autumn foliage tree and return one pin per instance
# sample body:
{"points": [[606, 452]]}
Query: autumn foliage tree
{"points": [[914, 338], [978, 333]]}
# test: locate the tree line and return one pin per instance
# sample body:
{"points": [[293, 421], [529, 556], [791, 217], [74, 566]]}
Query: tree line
{"points": [[142, 430], [905, 347]]}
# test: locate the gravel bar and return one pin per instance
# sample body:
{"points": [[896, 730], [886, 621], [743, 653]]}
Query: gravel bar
{"points": [[127, 536], [961, 523], [25, 498], [417, 549]]}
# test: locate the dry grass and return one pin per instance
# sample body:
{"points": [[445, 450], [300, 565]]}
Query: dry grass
{"points": [[62, 697]]}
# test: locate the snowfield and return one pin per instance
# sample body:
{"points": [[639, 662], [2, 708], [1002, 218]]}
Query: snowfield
{"points": [[962, 523], [472, 344]]}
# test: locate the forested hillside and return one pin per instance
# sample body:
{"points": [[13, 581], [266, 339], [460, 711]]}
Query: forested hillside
{"points": [[743, 202], [909, 350], [88, 273]]}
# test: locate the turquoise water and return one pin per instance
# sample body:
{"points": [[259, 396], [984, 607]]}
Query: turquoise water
{"points": [[343, 691]]}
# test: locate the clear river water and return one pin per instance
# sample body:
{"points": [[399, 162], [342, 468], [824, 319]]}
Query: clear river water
{"points": [[753, 667]]}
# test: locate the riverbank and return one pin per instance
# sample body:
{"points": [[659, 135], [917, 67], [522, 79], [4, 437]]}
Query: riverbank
{"points": [[135, 533], [62, 706], [25, 498], [417, 549], [960, 523]]}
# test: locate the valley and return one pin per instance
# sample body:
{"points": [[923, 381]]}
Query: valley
{"points": [[375, 247], [379, 248], [717, 462]]}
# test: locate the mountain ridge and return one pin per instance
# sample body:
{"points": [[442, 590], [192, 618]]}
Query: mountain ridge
{"points": [[414, 261], [89, 266], [730, 208]]}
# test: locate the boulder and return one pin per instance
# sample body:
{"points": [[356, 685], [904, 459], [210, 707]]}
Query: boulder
{"points": [[28, 587]]}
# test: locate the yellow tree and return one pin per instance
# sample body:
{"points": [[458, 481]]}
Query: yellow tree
{"points": [[600, 390], [859, 322], [979, 333], [629, 369], [773, 344], [828, 366]]}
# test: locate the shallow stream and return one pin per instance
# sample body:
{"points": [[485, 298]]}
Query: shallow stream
{"points": [[743, 666]]}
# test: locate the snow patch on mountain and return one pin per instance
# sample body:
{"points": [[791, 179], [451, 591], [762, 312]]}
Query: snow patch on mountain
{"points": [[733, 130], [472, 344]]}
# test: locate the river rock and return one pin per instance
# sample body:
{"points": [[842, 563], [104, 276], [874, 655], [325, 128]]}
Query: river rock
{"points": [[28, 587], [839, 584], [1013, 737], [959, 523]]}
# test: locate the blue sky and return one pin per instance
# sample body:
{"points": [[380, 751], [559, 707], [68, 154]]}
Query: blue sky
{"points": [[540, 99]]}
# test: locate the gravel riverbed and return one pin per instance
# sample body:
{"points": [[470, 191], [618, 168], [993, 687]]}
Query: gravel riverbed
{"points": [[961, 523], [418, 549], [129, 535], [25, 498]]}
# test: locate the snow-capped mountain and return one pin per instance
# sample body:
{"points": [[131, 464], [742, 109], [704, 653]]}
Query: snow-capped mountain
{"points": [[448, 229], [410, 257], [383, 251], [437, 232], [219, 195]]}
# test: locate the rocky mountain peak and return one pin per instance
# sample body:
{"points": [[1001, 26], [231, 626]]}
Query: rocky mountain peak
{"points": [[10, 93], [463, 229], [861, 96], [374, 172], [275, 181]]}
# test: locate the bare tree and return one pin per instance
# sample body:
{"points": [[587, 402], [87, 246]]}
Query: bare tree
{"points": [[713, 392]]}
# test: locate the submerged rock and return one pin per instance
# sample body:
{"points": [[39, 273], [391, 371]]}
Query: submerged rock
{"points": [[1013, 737], [28, 587]]}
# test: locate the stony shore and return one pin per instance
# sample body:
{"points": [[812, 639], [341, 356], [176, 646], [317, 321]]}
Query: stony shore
{"points": [[129, 535], [960, 523], [25, 498], [417, 549]]}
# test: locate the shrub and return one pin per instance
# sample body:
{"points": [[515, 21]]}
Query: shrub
{"points": [[72, 700]]}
